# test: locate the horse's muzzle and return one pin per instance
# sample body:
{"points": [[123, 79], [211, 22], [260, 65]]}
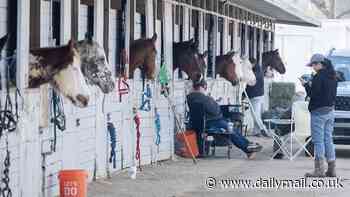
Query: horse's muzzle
{"points": [[84, 100]]}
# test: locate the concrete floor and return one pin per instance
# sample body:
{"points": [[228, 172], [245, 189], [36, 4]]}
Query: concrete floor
{"points": [[181, 178]]}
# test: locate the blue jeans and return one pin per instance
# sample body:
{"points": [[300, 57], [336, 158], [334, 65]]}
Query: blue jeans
{"points": [[237, 139], [322, 126]]}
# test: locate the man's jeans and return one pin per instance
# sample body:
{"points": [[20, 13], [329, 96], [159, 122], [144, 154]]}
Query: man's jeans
{"points": [[237, 139], [257, 103], [322, 126]]}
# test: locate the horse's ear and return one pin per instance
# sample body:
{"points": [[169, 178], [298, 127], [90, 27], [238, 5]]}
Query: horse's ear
{"points": [[275, 51], [231, 54], [195, 45], [88, 37], [154, 37], [71, 43], [3, 40], [205, 54]]}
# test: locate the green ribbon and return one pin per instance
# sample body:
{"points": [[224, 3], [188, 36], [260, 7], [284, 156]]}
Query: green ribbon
{"points": [[163, 75]]}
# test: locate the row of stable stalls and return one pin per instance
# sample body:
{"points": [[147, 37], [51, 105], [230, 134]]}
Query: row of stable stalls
{"points": [[36, 155], [85, 143], [220, 27]]}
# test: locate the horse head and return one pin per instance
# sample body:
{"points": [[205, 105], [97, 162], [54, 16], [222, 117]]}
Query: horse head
{"points": [[61, 68], [94, 65], [272, 60], [143, 54], [187, 58], [226, 67]]}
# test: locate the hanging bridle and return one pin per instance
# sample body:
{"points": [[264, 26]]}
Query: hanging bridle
{"points": [[9, 114]]}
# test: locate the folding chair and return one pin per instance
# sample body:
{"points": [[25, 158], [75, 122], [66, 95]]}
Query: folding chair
{"points": [[299, 127], [207, 137]]}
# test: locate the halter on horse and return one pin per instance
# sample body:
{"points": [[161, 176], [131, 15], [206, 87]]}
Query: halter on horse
{"points": [[143, 55], [187, 58], [272, 59]]}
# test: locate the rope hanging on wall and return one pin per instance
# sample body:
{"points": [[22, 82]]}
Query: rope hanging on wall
{"points": [[6, 191], [123, 87], [137, 121], [113, 138], [58, 119], [158, 126], [10, 114], [146, 99]]}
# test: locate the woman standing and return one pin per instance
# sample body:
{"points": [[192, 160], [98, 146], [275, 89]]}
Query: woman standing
{"points": [[322, 92]]}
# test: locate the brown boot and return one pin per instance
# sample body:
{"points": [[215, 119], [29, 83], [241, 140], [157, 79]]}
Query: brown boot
{"points": [[319, 170], [331, 169]]}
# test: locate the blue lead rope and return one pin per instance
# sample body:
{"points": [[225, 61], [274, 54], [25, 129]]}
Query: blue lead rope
{"points": [[113, 138], [157, 122], [146, 99]]}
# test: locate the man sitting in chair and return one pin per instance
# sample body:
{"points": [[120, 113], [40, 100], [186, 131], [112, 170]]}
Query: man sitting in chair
{"points": [[215, 119]]}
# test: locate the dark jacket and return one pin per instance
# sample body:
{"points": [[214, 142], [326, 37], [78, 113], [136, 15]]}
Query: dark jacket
{"points": [[258, 89], [211, 107], [322, 91]]}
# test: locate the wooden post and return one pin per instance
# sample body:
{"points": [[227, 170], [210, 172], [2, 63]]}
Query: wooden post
{"points": [[101, 146], [28, 135], [236, 39], [106, 29], [168, 54], [261, 45], [246, 41], [66, 21], [201, 32], [75, 19], [149, 18], [225, 35], [255, 44], [23, 43], [186, 24]]}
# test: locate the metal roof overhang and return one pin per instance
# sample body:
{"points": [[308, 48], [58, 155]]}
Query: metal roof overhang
{"points": [[282, 12]]}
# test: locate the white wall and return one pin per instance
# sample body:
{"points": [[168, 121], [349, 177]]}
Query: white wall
{"points": [[3, 17], [297, 44]]}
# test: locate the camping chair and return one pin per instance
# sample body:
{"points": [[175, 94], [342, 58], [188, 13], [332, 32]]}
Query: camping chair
{"points": [[299, 124], [207, 138]]}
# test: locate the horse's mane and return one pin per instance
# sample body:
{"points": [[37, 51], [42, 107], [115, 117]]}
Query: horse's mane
{"points": [[59, 57], [3, 41]]}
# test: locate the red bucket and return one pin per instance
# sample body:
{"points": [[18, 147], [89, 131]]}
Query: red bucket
{"points": [[73, 183]]}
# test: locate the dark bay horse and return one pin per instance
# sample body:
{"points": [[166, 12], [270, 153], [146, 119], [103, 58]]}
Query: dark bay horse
{"points": [[272, 60], [186, 57], [143, 55], [226, 67]]}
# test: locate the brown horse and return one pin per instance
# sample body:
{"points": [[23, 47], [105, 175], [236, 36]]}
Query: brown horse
{"points": [[61, 67], [272, 59], [143, 55], [187, 58], [226, 67]]}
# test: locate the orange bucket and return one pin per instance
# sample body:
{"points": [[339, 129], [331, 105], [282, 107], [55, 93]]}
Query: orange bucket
{"points": [[73, 183], [184, 149]]}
